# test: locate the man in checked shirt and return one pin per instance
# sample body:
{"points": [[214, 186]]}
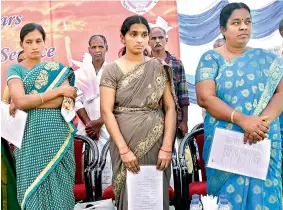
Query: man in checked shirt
{"points": [[157, 41]]}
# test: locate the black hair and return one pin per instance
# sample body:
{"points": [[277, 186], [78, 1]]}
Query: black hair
{"points": [[30, 27], [227, 11], [21, 52], [133, 20], [98, 35], [281, 26], [126, 27], [18, 58]]}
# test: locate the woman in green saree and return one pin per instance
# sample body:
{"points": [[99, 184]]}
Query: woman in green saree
{"points": [[45, 164], [135, 90]]}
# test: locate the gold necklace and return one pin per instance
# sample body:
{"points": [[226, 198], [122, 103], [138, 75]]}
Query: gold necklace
{"points": [[228, 52]]}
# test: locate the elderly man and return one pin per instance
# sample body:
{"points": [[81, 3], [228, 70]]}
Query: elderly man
{"points": [[88, 102]]}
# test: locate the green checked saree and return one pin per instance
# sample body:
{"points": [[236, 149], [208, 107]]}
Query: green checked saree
{"points": [[45, 164]]}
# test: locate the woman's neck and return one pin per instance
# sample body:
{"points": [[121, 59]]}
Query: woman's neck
{"points": [[235, 50], [30, 62], [134, 58]]}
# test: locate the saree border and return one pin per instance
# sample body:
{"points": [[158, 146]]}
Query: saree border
{"points": [[133, 74], [50, 166], [275, 76], [56, 81]]}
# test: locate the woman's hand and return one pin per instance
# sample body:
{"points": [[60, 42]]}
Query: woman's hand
{"points": [[68, 91], [164, 159], [255, 126], [249, 138], [12, 109], [130, 161]]}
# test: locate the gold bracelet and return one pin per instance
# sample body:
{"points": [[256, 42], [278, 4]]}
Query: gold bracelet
{"points": [[232, 116], [40, 95]]}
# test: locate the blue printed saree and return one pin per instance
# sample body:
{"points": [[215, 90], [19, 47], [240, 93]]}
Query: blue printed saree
{"points": [[247, 84]]}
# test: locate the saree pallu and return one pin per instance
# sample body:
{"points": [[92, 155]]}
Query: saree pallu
{"points": [[45, 164], [139, 114], [247, 84]]}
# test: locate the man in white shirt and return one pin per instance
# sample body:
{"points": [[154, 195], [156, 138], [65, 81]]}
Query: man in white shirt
{"points": [[88, 104], [88, 101]]}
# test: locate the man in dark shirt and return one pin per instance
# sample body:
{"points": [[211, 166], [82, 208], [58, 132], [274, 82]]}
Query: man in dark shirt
{"points": [[157, 41]]}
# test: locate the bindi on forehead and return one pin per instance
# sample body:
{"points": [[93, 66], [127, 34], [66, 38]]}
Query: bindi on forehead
{"points": [[242, 19]]}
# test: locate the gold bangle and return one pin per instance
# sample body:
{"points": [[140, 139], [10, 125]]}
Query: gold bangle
{"points": [[232, 116], [40, 95]]}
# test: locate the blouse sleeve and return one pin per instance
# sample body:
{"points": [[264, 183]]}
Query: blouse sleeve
{"points": [[13, 73], [108, 78], [207, 68]]}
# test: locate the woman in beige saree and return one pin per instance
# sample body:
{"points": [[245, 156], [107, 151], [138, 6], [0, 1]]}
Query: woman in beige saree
{"points": [[139, 111]]}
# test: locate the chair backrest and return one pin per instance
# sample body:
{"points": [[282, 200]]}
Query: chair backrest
{"points": [[86, 161], [200, 143], [78, 149], [198, 126], [190, 143]]}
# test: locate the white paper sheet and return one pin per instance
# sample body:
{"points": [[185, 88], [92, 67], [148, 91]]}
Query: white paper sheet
{"points": [[145, 189], [13, 127], [229, 153]]}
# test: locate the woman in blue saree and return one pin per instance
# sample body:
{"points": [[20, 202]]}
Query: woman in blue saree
{"points": [[241, 88], [45, 165]]}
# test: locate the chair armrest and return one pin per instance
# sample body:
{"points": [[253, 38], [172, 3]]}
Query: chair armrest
{"points": [[98, 172], [174, 158], [185, 186], [94, 149], [176, 180], [187, 141], [103, 155], [198, 126]]}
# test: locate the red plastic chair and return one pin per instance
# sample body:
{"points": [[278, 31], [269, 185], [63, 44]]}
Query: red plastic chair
{"points": [[83, 189], [191, 183]]}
